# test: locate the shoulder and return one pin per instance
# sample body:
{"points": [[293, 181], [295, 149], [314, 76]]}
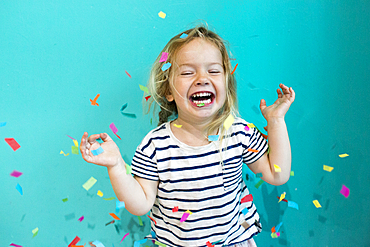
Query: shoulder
{"points": [[158, 134]]}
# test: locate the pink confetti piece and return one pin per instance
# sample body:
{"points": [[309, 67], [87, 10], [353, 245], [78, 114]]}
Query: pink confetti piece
{"points": [[184, 217], [12, 143], [81, 219], [71, 137], [15, 173], [344, 191], [113, 128], [163, 57], [128, 74], [246, 128], [16, 245], [125, 236]]}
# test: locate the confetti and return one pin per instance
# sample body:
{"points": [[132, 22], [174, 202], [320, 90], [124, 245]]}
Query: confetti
{"points": [[247, 198], [114, 216], [142, 88], [292, 173], [2, 124], [111, 222], [253, 150], [229, 121], [278, 226], [177, 126], [128, 169], [184, 217], [74, 241], [147, 97], [282, 196], [183, 36], [93, 102], [159, 243], [65, 199], [175, 209], [284, 200], [16, 174], [19, 188], [98, 243], [12, 143], [209, 244], [89, 183], [292, 205], [15, 245], [344, 191], [97, 151], [246, 128], [162, 15], [74, 150], [35, 231], [257, 185], [234, 69], [213, 138], [343, 155], [61, 152], [317, 204], [328, 168], [113, 128], [152, 220], [200, 105], [137, 243], [277, 168], [119, 205], [140, 221], [81, 219], [250, 125], [163, 57], [75, 142], [245, 211], [128, 74], [109, 198], [125, 236], [100, 193], [166, 66]]}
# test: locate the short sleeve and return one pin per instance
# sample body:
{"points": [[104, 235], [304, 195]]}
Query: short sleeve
{"points": [[256, 147], [144, 163]]}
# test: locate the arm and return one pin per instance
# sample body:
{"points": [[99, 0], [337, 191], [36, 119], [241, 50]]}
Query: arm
{"points": [[138, 194], [280, 152]]}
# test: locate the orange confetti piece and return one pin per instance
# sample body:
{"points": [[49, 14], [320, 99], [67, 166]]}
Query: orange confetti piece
{"points": [[93, 102], [128, 74], [175, 209], [253, 150], [114, 216], [273, 229], [152, 219], [234, 69]]}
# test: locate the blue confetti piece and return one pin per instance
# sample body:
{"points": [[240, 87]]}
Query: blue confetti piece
{"points": [[119, 205], [292, 205], [97, 151], [19, 188], [98, 243], [124, 107], [2, 124], [212, 138], [166, 66], [278, 226], [152, 233], [137, 243], [183, 36], [245, 211]]}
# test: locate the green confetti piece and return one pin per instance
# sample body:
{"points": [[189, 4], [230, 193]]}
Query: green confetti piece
{"points": [[292, 173], [259, 183], [35, 231], [109, 198], [74, 150], [128, 169], [65, 199], [140, 221], [201, 104], [143, 88], [159, 243]]}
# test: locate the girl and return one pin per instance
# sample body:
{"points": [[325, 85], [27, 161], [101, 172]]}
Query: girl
{"points": [[188, 171]]}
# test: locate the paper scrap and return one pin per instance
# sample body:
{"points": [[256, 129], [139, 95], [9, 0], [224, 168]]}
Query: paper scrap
{"points": [[229, 121], [128, 74], [65, 199], [246, 128], [282, 196], [74, 150], [97, 151], [163, 57], [213, 138], [93, 102], [131, 115], [234, 69], [162, 15], [81, 219], [2, 124], [143, 88], [16, 174], [250, 125], [253, 150], [292, 204], [292, 173], [245, 211], [277, 168], [183, 36], [278, 226], [114, 216], [98, 243], [15, 245], [200, 104], [19, 188], [140, 221], [159, 243], [100, 193], [125, 236], [166, 66], [74, 241], [89, 183], [147, 97], [109, 198], [328, 168], [184, 217], [119, 205], [177, 126], [12, 143], [75, 142], [175, 209], [35, 231], [111, 222], [113, 128], [152, 219], [257, 185], [317, 204], [247, 198], [139, 242], [344, 191], [274, 235], [61, 152], [343, 155], [128, 169]]}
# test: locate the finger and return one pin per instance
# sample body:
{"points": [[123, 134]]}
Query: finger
{"points": [[105, 137], [292, 94], [262, 104], [285, 89], [280, 95], [83, 146], [92, 138]]}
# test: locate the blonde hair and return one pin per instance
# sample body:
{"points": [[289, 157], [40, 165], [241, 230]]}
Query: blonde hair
{"points": [[159, 81]]}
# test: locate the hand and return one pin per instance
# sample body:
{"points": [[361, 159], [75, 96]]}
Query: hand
{"points": [[280, 106], [109, 158]]}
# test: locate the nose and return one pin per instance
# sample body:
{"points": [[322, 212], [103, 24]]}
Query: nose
{"points": [[202, 80]]}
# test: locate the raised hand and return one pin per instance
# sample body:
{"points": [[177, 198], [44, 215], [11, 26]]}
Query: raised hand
{"points": [[280, 106], [109, 158]]}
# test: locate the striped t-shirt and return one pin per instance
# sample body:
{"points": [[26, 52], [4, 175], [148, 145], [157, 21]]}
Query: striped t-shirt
{"points": [[193, 178]]}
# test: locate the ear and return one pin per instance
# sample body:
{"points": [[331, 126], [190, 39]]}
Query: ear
{"points": [[169, 98]]}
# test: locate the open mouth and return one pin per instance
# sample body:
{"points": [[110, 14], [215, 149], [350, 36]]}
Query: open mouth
{"points": [[202, 98]]}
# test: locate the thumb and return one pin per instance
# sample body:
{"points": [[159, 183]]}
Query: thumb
{"points": [[262, 104], [105, 137]]}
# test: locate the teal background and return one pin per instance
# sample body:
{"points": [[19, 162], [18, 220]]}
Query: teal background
{"points": [[56, 55]]}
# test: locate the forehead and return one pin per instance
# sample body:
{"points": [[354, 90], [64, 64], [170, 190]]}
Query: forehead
{"points": [[198, 50]]}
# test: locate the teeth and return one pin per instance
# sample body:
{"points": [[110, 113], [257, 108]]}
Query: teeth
{"points": [[201, 95], [202, 101]]}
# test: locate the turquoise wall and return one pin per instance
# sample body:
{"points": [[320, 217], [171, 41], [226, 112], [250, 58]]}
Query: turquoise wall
{"points": [[56, 55]]}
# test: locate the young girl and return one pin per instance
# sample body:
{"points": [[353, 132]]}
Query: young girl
{"points": [[188, 171]]}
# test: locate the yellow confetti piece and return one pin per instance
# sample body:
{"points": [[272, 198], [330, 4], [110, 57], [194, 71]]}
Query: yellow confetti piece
{"points": [[100, 193], [229, 121], [162, 15], [282, 197], [328, 168], [89, 183], [177, 126], [75, 142], [35, 231], [277, 168], [317, 204], [343, 155], [189, 212], [250, 125], [61, 152], [109, 198]]}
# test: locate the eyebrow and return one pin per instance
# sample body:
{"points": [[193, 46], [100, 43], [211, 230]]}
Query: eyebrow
{"points": [[190, 64]]}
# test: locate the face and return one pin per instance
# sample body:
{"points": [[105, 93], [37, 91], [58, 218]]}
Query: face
{"points": [[198, 81]]}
